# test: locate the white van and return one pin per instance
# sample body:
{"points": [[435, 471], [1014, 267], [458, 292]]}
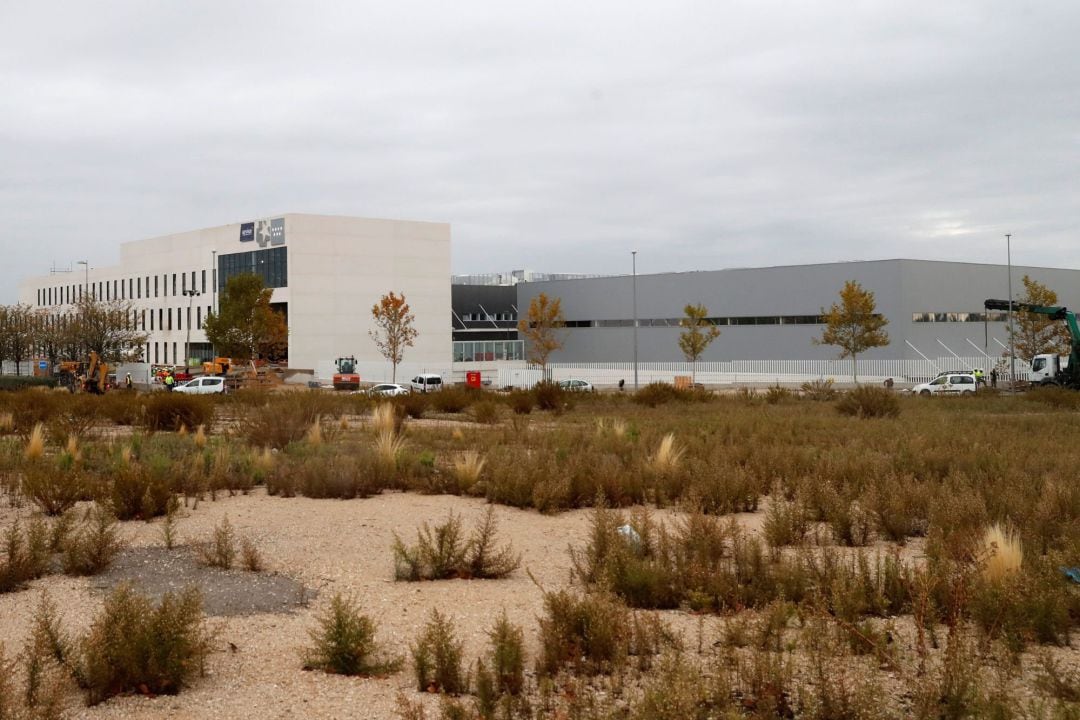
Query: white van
{"points": [[426, 382]]}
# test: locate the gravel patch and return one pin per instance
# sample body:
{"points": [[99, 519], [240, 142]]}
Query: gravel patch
{"points": [[157, 570]]}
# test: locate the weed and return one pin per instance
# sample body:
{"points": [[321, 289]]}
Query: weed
{"points": [[250, 557], [521, 402], [220, 550], [344, 643], [820, 390], [547, 395], [444, 552], [485, 412], [437, 657], [92, 548], [868, 401], [785, 521], [388, 449], [165, 412], [467, 468], [137, 646], [1003, 553], [507, 656], [585, 633], [450, 400], [667, 456], [35, 444]]}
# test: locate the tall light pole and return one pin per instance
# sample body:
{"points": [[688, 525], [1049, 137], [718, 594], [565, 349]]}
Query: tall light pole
{"points": [[86, 276], [633, 255], [191, 294], [1012, 348]]}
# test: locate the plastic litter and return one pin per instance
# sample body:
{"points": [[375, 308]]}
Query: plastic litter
{"points": [[1073, 573], [630, 535]]}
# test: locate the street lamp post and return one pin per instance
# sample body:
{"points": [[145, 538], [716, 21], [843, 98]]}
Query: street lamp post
{"points": [[1012, 348], [86, 276], [191, 294], [633, 255]]}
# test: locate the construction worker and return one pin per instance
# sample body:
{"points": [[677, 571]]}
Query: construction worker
{"points": [[127, 382], [169, 381], [979, 379], [993, 377]]}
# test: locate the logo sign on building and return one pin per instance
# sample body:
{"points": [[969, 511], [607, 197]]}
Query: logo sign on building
{"points": [[247, 232], [270, 232]]}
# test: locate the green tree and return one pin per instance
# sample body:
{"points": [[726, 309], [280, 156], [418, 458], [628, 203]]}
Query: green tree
{"points": [[245, 326], [542, 329], [394, 329], [1034, 334], [697, 336], [853, 325]]}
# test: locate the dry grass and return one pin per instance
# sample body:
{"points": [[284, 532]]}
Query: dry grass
{"points": [[35, 444], [467, 468], [1004, 554], [200, 437], [314, 434], [668, 455], [382, 419], [389, 447]]}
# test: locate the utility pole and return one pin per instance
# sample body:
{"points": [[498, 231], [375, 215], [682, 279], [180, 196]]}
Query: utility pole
{"points": [[633, 255], [1012, 347]]}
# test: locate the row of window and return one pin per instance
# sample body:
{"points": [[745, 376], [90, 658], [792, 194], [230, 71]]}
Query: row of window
{"points": [[159, 319], [486, 350], [488, 317], [129, 289], [271, 265], [677, 322], [158, 353], [996, 316]]}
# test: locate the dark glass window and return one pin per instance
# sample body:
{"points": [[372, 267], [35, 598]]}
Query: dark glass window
{"points": [[270, 264], [203, 282]]}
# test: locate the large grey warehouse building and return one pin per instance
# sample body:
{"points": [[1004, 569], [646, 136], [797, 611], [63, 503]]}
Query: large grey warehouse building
{"points": [[935, 309]]}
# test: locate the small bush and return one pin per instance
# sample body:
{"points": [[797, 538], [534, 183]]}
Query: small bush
{"points": [[135, 646], [820, 390], [344, 643], [785, 521], [413, 404], [587, 633], [507, 656], [485, 412], [450, 400], [92, 548], [547, 395], [15, 383], [169, 412], [777, 394], [220, 550], [659, 393], [1054, 396], [54, 485], [445, 553], [521, 402], [867, 401], [437, 658]]}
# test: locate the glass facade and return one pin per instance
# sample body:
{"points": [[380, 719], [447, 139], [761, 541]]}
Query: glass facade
{"points": [[486, 350], [270, 264]]}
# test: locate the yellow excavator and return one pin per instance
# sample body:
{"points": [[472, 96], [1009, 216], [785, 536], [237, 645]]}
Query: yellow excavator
{"points": [[97, 375]]}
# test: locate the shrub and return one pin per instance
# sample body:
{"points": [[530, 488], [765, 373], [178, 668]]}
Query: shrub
{"points": [[485, 412], [467, 468], [54, 486], [135, 646], [587, 633], [819, 390], [437, 657], [868, 401], [168, 411], [92, 548], [413, 404], [1054, 396], [15, 383], [777, 394], [344, 643], [547, 395], [451, 399], [220, 550], [276, 421], [785, 521], [507, 656], [659, 393], [74, 418], [521, 402], [445, 553]]}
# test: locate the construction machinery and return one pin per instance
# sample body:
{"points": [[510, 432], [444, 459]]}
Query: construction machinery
{"points": [[97, 375], [346, 377], [218, 366], [1049, 368]]}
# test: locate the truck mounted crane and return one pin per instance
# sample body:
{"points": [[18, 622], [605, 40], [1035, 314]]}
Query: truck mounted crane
{"points": [[1048, 368]]}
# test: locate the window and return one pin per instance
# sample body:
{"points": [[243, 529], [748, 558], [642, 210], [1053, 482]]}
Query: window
{"points": [[176, 357], [174, 284], [1038, 364], [160, 319], [151, 321], [165, 351], [170, 319], [270, 264], [203, 282], [198, 318], [183, 282], [155, 286], [138, 287], [178, 316]]}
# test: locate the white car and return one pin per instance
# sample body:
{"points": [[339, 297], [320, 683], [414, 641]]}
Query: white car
{"points": [[202, 386], [576, 386], [387, 390], [426, 382], [951, 384]]}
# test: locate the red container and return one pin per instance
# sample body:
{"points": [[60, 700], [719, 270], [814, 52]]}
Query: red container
{"points": [[472, 379]]}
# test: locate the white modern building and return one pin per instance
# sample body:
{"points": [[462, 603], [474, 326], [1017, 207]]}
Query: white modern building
{"points": [[326, 273]]}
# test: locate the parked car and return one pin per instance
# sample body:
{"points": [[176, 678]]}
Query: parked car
{"points": [[426, 382], [576, 386], [202, 386], [952, 384], [387, 390]]}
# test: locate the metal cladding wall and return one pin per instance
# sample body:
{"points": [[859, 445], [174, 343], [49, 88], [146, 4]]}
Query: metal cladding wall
{"points": [[901, 287]]}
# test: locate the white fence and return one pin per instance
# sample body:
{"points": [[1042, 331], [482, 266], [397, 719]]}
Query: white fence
{"points": [[735, 372]]}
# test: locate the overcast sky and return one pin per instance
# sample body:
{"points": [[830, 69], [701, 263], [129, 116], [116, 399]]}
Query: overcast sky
{"points": [[556, 136]]}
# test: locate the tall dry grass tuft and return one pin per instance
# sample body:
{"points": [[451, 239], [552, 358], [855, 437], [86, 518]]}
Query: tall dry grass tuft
{"points": [[126, 454], [382, 419], [388, 447], [264, 461], [35, 446], [72, 448], [200, 436], [1003, 551], [7, 422], [314, 434], [183, 431], [667, 455], [467, 468]]}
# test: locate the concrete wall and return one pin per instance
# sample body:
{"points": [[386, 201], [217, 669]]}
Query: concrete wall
{"points": [[901, 287]]}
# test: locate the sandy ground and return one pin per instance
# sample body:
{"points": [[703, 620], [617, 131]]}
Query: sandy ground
{"points": [[330, 546]]}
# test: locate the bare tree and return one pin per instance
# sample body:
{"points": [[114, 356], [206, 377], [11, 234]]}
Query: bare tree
{"points": [[394, 329], [107, 328], [542, 329]]}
